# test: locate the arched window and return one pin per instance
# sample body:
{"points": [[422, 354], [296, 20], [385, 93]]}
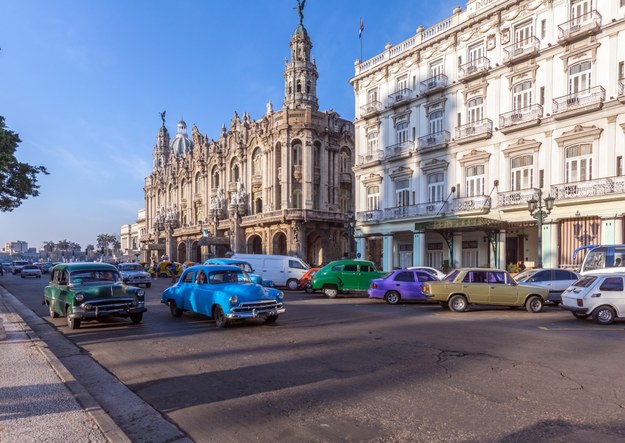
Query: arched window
{"points": [[316, 155], [234, 171], [299, 86], [257, 162], [215, 177], [346, 160], [297, 152], [578, 163], [475, 110], [308, 87], [183, 186], [522, 169], [198, 183]]}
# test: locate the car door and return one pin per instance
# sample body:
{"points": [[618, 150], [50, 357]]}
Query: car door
{"points": [[612, 292], [349, 276], [475, 286], [501, 289], [187, 289], [406, 284], [366, 274]]}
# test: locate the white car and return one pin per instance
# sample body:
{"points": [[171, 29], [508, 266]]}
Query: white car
{"points": [[432, 271], [601, 296], [133, 274], [30, 271]]}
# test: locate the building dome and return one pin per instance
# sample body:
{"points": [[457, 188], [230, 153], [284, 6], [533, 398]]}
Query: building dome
{"points": [[181, 144]]}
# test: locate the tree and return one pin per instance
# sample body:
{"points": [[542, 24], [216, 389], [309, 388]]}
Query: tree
{"points": [[104, 240], [18, 180]]}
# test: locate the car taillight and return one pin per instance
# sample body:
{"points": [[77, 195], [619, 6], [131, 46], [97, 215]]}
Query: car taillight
{"points": [[374, 285], [580, 302]]}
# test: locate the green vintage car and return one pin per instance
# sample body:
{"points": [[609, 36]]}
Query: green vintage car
{"points": [[91, 291], [345, 275], [463, 287]]}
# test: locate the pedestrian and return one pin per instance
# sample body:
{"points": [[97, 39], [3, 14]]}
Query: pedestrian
{"points": [[172, 269]]}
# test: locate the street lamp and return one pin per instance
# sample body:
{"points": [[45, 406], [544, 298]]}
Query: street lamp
{"points": [[535, 206], [350, 226]]}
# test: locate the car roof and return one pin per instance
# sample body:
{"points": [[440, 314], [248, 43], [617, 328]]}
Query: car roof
{"points": [[80, 266], [212, 268]]}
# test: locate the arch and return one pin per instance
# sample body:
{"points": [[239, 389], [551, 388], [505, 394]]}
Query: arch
{"points": [[257, 162], [314, 249], [215, 177], [195, 253], [254, 244], [198, 183], [182, 253], [279, 244], [183, 186], [346, 160], [234, 170], [296, 152]]}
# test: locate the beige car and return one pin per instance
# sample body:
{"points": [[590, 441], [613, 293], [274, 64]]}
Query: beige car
{"points": [[463, 287]]}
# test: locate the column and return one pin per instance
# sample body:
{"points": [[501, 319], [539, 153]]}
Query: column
{"points": [[549, 255], [387, 252], [457, 252], [418, 248], [553, 255], [361, 246], [501, 250]]}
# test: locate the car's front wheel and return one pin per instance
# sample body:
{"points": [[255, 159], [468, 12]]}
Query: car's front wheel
{"points": [[604, 315], [72, 322], [136, 318], [458, 303], [174, 309], [308, 289], [220, 318], [534, 304], [392, 297], [292, 285], [53, 313]]}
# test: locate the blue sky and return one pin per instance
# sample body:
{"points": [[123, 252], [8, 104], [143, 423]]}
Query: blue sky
{"points": [[83, 83]]}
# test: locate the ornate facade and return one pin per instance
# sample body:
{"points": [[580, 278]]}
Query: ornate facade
{"points": [[282, 184]]}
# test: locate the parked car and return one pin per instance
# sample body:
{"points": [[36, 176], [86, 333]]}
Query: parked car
{"points": [[243, 265], [223, 293], [6, 267], [90, 291], [282, 270], [462, 287], [400, 285], [30, 271], [304, 281], [17, 265], [435, 272], [601, 296], [134, 274], [345, 275], [554, 280]]}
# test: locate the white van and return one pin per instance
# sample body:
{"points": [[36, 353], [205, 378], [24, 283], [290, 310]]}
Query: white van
{"points": [[283, 270]]}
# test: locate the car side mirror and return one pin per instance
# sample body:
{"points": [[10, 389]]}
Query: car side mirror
{"points": [[531, 280]]}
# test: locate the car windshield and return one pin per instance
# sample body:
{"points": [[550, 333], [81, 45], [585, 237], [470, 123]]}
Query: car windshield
{"points": [[523, 276], [218, 277], [94, 276], [243, 265], [131, 267], [585, 281], [451, 276], [30, 267]]}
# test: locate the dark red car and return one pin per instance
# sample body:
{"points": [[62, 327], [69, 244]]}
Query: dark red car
{"points": [[304, 281]]}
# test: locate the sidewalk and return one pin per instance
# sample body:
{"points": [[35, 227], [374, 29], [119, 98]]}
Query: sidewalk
{"points": [[39, 398]]}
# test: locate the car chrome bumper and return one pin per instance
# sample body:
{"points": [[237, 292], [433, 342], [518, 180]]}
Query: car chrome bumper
{"points": [[255, 313], [105, 311], [574, 309]]}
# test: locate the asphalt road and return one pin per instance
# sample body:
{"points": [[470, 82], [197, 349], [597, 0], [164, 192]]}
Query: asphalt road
{"points": [[354, 369]]}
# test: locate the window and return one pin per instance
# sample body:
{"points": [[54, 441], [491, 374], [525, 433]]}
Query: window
{"points": [[350, 268], [612, 284], [366, 268], [234, 171], [372, 143], [475, 180], [621, 70], [198, 183], [436, 185], [316, 154], [436, 68], [522, 172], [497, 278], [543, 29], [475, 110], [402, 132], [579, 77], [619, 165], [522, 96], [578, 163], [295, 264], [523, 33], [215, 175], [435, 122], [542, 95], [372, 96], [297, 153], [373, 198], [401, 83], [579, 9], [405, 276], [402, 192], [346, 161], [476, 277], [476, 52]]}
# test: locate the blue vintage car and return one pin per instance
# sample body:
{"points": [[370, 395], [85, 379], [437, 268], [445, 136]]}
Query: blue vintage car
{"points": [[224, 293], [243, 265]]}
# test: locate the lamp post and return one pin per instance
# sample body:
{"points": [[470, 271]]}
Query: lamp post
{"points": [[540, 213], [350, 227]]}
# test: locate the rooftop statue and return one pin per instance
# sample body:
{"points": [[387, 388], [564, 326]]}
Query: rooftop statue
{"points": [[300, 10]]}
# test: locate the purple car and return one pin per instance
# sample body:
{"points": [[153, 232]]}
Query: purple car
{"points": [[401, 284]]}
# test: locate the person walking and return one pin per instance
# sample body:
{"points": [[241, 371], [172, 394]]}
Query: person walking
{"points": [[172, 269]]}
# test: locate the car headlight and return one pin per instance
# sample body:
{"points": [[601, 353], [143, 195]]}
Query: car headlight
{"points": [[233, 300], [140, 293], [79, 297], [280, 295]]}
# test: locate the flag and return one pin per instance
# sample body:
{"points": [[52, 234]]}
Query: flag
{"points": [[362, 28]]}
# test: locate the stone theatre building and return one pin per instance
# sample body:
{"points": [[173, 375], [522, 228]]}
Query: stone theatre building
{"points": [[281, 184]]}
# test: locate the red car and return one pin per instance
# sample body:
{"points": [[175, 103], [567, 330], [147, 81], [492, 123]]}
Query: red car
{"points": [[304, 281]]}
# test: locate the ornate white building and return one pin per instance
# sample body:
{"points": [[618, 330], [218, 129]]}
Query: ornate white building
{"points": [[281, 184], [503, 103]]}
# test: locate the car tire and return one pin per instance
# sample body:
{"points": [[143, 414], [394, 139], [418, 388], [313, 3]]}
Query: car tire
{"points": [[136, 318], [581, 316], [51, 310], [147, 285], [534, 304], [604, 315], [292, 285], [392, 297], [458, 303], [175, 310], [271, 318], [220, 318], [308, 289], [330, 291], [73, 323]]}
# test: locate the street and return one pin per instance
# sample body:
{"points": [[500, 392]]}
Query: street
{"points": [[354, 369]]}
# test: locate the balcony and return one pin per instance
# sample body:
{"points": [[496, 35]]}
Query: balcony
{"points": [[345, 177], [369, 216], [474, 69], [520, 118], [402, 149], [371, 109], [414, 211], [579, 27], [399, 97], [621, 91], [298, 172], [578, 103], [602, 188], [374, 157], [479, 204], [479, 130], [521, 50], [515, 198], [257, 179], [433, 141], [433, 84]]}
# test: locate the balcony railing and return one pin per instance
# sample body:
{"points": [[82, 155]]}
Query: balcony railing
{"points": [[474, 68], [592, 188], [400, 96], [581, 101], [433, 84], [521, 49], [475, 130], [529, 114], [370, 216], [418, 210], [405, 147], [433, 141], [371, 108], [477, 203], [579, 27], [515, 198], [376, 156], [621, 90]]}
